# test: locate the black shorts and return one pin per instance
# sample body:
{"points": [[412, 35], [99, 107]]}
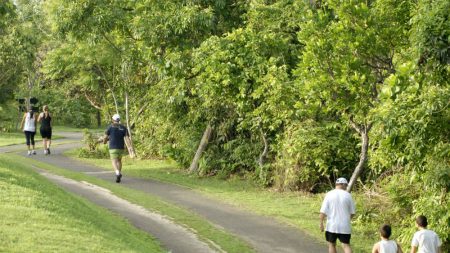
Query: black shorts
{"points": [[331, 237], [46, 133]]}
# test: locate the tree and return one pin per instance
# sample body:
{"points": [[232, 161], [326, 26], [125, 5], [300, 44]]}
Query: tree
{"points": [[350, 49], [8, 62]]}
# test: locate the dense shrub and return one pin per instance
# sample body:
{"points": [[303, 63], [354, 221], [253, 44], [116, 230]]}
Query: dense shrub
{"points": [[94, 148], [313, 153]]}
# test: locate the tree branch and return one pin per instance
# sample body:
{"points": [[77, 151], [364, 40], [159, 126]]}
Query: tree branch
{"points": [[91, 101]]}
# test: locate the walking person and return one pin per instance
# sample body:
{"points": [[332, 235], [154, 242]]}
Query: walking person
{"points": [[427, 241], [386, 245], [45, 119], [28, 126], [338, 208], [118, 135]]}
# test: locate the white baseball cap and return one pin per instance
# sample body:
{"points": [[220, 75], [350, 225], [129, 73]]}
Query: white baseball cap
{"points": [[341, 180], [116, 117]]}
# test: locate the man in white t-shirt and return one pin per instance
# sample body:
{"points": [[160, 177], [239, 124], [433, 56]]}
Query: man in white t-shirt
{"points": [[426, 240], [339, 208]]}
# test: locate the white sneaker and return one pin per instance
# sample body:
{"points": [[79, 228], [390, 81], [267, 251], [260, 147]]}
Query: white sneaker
{"points": [[45, 151], [29, 152]]}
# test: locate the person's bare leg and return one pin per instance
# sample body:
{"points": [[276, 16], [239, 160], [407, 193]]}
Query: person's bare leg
{"points": [[49, 141], [347, 248], [119, 165], [44, 141], [114, 164], [331, 247]]}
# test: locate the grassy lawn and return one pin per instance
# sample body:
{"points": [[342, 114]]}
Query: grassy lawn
{"points": [[73, 129], [298, 209], [37, 216], [12, 138], [205, 230], [19, 138]]}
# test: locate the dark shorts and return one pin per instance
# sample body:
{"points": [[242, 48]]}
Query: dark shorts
{"points": [[46, 133], [331, 237]]}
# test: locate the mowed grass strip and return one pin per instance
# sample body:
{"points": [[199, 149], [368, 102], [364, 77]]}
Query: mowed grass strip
{"points": [[205, 230], [12, 138], [294, 208], [37, 216]]}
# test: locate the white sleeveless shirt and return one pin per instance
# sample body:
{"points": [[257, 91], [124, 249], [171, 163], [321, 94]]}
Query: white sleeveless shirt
{"points": [[30, 123], [388, 246]]}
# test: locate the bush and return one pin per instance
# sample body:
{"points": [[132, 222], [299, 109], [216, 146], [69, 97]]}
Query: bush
{"points": [[312, 153], [93, 148]]}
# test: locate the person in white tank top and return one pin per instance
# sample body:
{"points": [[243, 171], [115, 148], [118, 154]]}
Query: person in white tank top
{"points": [[28, 125], [386, 245], [425, 240]]}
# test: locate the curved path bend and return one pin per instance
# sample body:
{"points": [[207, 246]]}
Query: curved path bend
{"points": [[265, 234]]}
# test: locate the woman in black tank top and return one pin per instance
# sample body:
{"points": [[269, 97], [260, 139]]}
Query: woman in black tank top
{"points": [[46, 129]]}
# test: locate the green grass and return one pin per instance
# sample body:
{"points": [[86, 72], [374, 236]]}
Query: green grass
{"points": [[298, 209], [205, 230], [74, 129], [37, 216], [13, 138]]}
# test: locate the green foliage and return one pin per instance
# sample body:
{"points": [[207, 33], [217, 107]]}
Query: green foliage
{"points": [[312, 154], [286, 75], [93, 148], [9, 117], [230, 157], [430, 33], [9, 62]]}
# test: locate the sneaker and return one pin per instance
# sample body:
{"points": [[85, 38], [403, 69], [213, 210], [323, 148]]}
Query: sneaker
{"points": [[33, 152], [29, 152], [48, 151], [118, 178], [45, 152]]}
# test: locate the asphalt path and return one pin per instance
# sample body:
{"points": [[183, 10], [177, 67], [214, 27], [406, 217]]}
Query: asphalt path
{"points": [[265, 234]]}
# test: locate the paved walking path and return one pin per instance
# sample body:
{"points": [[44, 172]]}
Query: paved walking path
{"points": [[265, 234]]}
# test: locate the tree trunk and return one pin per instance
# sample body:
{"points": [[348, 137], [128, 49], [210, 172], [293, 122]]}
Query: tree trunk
{"points": [[99, 119], [140, 111], [130, 146], [201, 147], [263, 155], [364, 133], [110, 88]]}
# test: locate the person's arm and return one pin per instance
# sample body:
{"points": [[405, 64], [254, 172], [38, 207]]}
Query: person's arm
{"points": [[106, 136], [40, 117], [439, 250], [376, 248], [322, 217], [413, 249], [105, 139], [23, 121]]}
